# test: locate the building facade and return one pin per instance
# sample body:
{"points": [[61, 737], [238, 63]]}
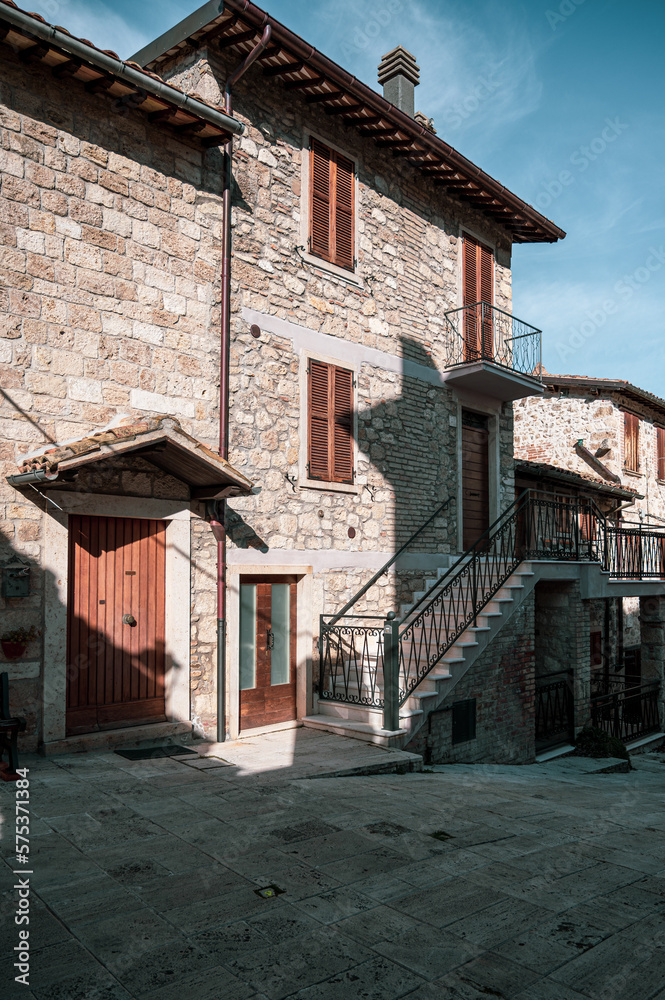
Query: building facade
{"points": [[181, 544]]}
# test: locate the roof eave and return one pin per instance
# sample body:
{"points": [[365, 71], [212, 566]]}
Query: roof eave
{"points": [[32, 27], [525, 225]]}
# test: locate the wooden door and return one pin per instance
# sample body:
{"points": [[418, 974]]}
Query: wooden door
{"points": [[478, 292], [475, 477], [115, 668], [267, 632]]}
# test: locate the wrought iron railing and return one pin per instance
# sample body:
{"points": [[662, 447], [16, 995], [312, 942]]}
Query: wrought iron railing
{"points": [[482, 332], [607, 682], [379, 661], [636, 553], [628, 714], [554, 709]]}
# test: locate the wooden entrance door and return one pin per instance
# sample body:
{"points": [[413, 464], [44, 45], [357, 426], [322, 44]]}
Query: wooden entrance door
{"points": [[475, 477], [267, 650], [115, 622]]}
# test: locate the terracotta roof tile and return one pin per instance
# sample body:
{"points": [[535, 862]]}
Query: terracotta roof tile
{"points": [[545, 468]]}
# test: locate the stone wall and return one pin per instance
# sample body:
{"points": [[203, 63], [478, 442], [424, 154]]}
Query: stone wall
{"points": [[111, 309], [562, 638], [503, 683], [547, 428]]}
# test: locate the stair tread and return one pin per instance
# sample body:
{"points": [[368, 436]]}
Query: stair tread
{"points": [[359, 727]]}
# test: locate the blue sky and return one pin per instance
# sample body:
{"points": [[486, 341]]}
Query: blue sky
{"points": [[561, 101]]}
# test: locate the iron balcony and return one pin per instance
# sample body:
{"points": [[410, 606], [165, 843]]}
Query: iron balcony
{"points": [[492, 352]]}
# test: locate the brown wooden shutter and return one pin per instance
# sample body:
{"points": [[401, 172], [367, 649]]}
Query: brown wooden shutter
{"points": [[332, 206], [470, 271], [344, 209], [342, 459], [330, 423], [318, 412], [320, 200], [485, 294], [485, 274], [470, 294], [631, 441], [660, 452]]}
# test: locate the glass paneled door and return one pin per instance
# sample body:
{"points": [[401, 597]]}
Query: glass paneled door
{"points": [[267, 651]]}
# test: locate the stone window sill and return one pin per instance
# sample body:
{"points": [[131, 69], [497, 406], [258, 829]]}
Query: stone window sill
{"points": [[353, 278], [633, 473], [327, 487]]}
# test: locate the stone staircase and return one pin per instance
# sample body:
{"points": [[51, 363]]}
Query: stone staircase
{"points": [[366, 723]]}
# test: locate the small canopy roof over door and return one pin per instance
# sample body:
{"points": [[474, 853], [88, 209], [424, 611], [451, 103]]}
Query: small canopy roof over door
{"points": [[161, 441]]}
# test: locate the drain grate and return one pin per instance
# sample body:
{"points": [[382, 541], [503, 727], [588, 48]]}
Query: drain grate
{"points": [[147, 753]]}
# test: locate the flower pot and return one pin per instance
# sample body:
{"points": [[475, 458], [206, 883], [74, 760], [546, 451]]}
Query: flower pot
{"points": [[13, 650]]}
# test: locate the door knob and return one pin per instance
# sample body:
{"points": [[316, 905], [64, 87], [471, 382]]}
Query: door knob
{"points": [[128, 620]]}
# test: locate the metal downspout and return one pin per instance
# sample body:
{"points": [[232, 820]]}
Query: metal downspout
{"points": [[218, 523]]}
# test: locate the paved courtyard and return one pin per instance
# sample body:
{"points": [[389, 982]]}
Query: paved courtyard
{"points": [[542, 882]]}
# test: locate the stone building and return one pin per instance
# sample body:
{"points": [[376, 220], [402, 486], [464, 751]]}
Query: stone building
{"points": [[612, 432], [194, 471]]}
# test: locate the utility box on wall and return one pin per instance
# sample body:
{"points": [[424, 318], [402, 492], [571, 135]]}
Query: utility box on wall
{"points": [[15, 580]]}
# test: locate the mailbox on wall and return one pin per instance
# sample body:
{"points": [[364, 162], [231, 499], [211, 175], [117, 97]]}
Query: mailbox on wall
{"points": [[15, 579]]}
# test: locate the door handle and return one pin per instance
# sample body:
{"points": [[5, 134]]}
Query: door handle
{"points": [[270, 638], [128, 620]]}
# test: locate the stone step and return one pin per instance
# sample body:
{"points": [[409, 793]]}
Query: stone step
{"points": [[151, 734], [366, 731]]}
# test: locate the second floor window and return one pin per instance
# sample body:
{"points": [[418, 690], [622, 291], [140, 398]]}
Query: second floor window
{"points": [[660, 452], [331, 206], [478, 287], [330, 423], [631, 441]]}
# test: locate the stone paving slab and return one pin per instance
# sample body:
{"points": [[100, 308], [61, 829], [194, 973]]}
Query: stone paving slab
{"points": [[542, 882]]}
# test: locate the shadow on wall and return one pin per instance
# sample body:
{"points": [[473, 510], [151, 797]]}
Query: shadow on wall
{"points": [[410, 442], [106, 674]]}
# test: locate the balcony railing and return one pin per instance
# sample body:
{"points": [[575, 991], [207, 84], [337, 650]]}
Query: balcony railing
{"points": [[378, 662], [628, 713], [554, 709], [481, 332]]}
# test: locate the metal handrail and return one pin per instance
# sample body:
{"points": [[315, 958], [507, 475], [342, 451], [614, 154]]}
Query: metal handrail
{"points": [[484, 332], [358, 652], [386, 566], [466, 557], [481, 302]]}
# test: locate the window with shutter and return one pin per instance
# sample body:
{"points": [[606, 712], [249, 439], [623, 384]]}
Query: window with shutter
{"points": [[631, 438], [660, 452], [478, 287], [332, 206], [330, 423]]}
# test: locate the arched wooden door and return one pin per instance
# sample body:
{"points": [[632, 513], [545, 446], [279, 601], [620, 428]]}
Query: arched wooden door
{"points": [[115, 622]]}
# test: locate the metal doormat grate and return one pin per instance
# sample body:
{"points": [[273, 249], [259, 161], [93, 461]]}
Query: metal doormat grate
{"points": [[147, 753]]}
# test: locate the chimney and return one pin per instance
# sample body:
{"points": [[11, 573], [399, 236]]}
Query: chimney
{"points": [[399, 75]]}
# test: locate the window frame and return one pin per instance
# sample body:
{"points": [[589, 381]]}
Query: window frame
{"points": [[353, 277], [660, 454], [634, 451], [304, 480]]}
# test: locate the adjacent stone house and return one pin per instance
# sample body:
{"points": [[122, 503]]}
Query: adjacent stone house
{"points": [[177, 544], [613, 432]]}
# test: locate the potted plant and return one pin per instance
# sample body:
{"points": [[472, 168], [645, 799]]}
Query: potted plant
{"points": [[15, 641]]}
